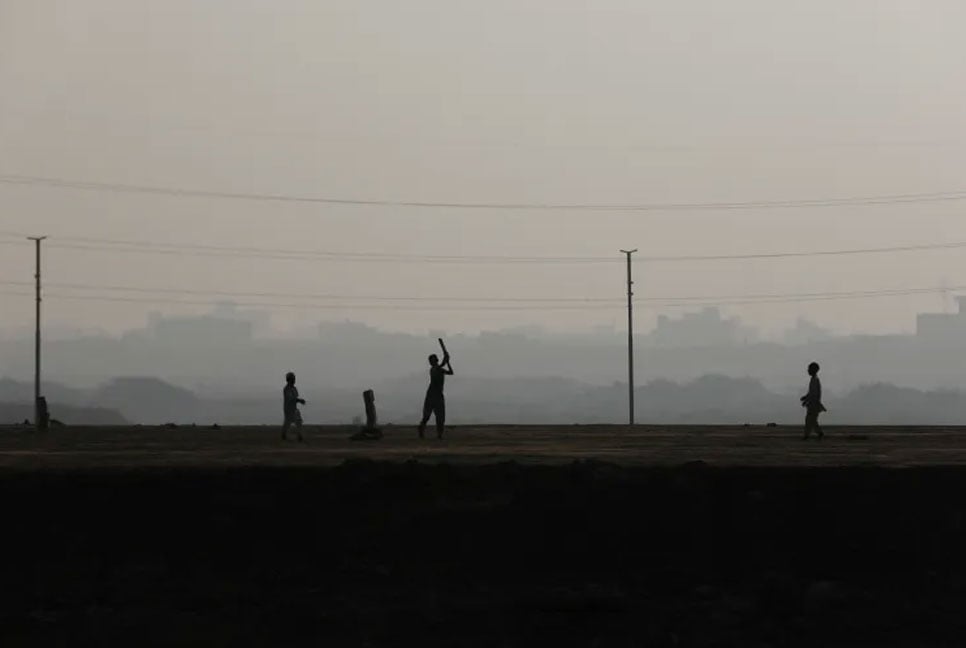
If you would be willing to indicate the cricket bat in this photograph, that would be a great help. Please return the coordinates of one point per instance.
(442, 345)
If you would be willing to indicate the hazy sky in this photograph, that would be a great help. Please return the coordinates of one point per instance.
(549, 101)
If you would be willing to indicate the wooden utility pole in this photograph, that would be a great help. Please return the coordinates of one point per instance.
(630, 336)
(37, 413)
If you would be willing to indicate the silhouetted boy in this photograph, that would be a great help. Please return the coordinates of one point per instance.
(435, 403)
(812, 402)
(290, 403)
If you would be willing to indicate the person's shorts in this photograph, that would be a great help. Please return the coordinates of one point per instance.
(293, 417)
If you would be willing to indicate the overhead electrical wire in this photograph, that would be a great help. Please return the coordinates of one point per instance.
(146, 247)
(316, 296)
(458, 303)
(885, 199)
(320, 306)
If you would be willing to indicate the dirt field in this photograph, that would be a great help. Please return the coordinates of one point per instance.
(645, 445)
(493, 537)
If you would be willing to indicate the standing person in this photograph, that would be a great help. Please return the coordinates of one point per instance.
(435, 403)
(812, 402)
(290, 404)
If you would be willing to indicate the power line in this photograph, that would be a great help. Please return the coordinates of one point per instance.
(147, 247)
(745, 298)
(150, 247)
(667, 299)
(815, 298)
(489, 307)
(330, 256)
(310, 306)
(317, 296)
(810, 253)
(886, 199)
(654, 302)
(769, 297)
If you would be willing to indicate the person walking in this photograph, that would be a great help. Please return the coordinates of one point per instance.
(290, 405)
(812, 402)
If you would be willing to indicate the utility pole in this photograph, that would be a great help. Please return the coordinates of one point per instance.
(630, 337)
(37, 240)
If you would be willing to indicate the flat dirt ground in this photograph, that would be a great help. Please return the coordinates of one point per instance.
(494, 536)
(327, 446)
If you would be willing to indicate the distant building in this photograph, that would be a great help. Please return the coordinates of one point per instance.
(347, 331)
(204, 329)
(943, 329)
(806, 332)
(704, 328)
(261, 320)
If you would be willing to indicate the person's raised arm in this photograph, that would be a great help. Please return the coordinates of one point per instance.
(447, 365)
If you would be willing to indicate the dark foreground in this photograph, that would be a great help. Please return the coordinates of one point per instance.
(429, 554)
